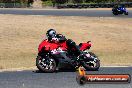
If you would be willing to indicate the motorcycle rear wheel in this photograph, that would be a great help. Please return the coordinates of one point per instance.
(115, 13)
(47, 65)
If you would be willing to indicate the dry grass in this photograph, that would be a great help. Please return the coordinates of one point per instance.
(20, 36)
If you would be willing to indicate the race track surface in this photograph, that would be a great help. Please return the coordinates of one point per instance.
(63, 79)
(84, 12)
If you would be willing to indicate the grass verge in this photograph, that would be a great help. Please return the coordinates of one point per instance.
(20, 35)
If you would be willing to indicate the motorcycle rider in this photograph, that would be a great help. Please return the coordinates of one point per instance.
(52, 36)
(115, 7)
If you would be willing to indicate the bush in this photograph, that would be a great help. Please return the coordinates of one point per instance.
(60, 1)
(47, 3)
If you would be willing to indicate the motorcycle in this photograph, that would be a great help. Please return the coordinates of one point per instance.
(120, 10)
(57, 55)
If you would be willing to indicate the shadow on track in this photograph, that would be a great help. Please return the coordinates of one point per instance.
(60, 70)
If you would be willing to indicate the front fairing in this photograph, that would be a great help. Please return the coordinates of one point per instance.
(48, 46)
(123, 9)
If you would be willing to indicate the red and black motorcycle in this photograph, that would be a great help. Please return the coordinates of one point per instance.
(52, 56)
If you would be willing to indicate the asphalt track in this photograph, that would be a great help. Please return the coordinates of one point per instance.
(56, 12)
(62, 79)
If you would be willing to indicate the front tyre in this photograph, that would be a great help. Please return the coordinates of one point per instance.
(47, 65)
(126, 13)
(93, 63)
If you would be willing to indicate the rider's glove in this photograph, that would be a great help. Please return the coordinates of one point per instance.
(55, 40)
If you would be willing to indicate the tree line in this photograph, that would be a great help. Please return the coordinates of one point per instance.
(86, 1)
(64, 1)
(26, 3)
(16, 1)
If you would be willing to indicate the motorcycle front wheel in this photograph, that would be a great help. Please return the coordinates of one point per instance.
(126, 13)
(47, 65)
(92, 64)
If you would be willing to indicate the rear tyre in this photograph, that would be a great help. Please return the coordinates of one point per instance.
(115, 13)
(47, 65)
(93, 63)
